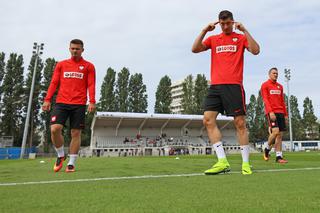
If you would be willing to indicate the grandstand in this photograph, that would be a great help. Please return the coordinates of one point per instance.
(140, 134)
(6, 141)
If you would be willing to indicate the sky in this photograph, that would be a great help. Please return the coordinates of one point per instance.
(154, 37)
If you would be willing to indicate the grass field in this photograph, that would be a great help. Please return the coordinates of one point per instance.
(291, 188)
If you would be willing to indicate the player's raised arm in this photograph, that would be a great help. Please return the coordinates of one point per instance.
(198, 45)
(253, 46)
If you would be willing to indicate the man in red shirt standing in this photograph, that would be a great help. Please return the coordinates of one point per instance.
(276, 112)
(226, 94)
(74, 77)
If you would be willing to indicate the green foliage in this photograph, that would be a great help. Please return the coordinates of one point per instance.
(137, 101)
(12, 94)
(187, 101)
(297, 124)
(49, 66)
(163, 96)
(122, 90)
(194, 94)
(200, 93)
(107, 98)
(257, 122)
(310, 120)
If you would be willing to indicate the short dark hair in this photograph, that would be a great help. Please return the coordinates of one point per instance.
(76, 41)
(273, 68)
(225, 14)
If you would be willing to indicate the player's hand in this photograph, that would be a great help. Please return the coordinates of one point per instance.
(239, 26)
(46, 106)
(272, 116)
(91, 108)
(211, 26)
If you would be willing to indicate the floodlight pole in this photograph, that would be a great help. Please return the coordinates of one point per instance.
(37, 52)
(287, 74)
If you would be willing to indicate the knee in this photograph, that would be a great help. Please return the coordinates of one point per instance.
(279, 136)
(209, 122)
(276, 132)
(56, 129)
(75, 133)
(240, 124)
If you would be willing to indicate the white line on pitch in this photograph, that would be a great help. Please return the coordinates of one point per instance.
(145, 177)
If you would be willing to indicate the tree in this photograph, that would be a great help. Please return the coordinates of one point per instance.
(49, 66)
(107, 99)
(309, 119)
(250, 118)
(13, 94)
(86, 132)
(200, 93)
(297, 125)
(137, 100)
(260, 121)
(187, 102)
(286, 134)
(163, 96)
(36, 104)
(122, 90)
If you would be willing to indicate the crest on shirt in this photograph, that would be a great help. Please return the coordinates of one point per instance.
(278, 87)
(234, 39)
(81, 67)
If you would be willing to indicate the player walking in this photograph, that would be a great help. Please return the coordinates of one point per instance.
(276, 113)
(74, 77)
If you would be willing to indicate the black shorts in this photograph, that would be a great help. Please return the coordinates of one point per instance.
(280, 122)
(228, 99)
(75, 113)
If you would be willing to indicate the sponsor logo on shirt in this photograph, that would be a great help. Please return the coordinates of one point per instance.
(78, 75)
(226, 48)
(275, 92)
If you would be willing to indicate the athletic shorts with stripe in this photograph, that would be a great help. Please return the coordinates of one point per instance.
(75, 113)
(280, 122)
(228, 99)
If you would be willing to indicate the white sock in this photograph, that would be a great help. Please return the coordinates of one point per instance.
(245, 150)
(279, 154)
(218, 147)
(60, 151)
(73, 158)
(267, 146)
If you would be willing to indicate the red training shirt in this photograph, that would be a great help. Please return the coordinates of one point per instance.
(74, 78)
(227, 57)
(273, 97)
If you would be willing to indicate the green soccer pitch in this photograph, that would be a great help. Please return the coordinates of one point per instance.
(161, 184)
